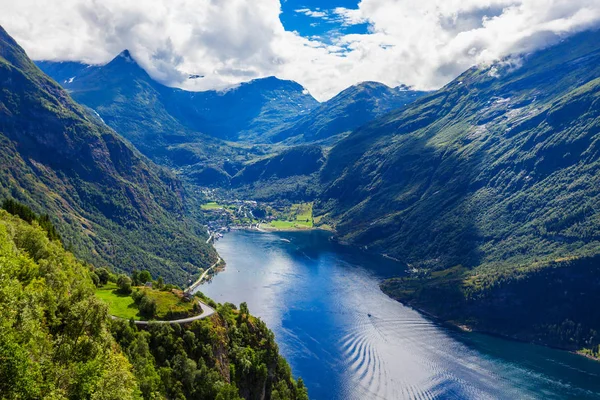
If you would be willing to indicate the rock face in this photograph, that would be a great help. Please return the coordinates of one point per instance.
(59, 158)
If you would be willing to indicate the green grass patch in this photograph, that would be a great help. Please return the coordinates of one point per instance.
(119, 305)
(282, 224)
(299, 217)
(303, 213)
(211, 206)
(169, 305)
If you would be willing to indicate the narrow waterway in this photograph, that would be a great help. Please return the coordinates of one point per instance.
(350, 341)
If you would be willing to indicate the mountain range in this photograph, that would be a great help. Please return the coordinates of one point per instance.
(347, 111)
(259, 111)
(181, 128)
(256, 106)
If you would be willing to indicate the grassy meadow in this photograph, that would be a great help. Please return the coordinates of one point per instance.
(122, 306)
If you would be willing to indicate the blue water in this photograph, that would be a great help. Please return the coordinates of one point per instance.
(317, 296)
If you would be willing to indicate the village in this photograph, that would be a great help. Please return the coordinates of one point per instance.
(222, 214)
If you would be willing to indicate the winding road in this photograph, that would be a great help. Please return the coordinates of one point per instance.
(207, 310)
(195, 285)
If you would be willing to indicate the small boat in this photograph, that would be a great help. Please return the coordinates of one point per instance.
(286, 240)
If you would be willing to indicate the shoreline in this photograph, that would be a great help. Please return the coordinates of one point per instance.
(264, 229)
(469, 329)
(198, 282)
(289, 229)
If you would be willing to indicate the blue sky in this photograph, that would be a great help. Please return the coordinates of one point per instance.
(306, 17)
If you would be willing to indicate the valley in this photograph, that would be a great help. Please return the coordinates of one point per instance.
(362, 229)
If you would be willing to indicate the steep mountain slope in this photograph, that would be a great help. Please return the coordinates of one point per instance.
(498, 172)
(125, 96)
(350, 109)
(103, 193)
(129, 101)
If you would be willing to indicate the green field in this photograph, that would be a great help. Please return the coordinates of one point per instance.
(282, 224)
(299, 217)
(119, 305)
(303, 213)
(123, 306)
(211, 206)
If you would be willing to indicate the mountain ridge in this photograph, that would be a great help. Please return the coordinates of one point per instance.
(351, 108)
(219, 113)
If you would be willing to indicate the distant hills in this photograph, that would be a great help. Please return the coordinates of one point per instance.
(482, 184)
(123, 94)
(264, 110)
(111, 205)
(347, 111)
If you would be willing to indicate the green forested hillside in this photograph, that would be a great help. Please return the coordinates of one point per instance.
(497, 172)
(291, 174)
(110, 204)
(229, 356)
(57, 340)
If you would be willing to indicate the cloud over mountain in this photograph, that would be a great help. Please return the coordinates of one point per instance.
(423, 43)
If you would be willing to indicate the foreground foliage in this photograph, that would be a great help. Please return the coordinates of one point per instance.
(57, 341)
(229, 356)
(54, 335)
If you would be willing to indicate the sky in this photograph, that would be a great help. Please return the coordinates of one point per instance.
(324, 45)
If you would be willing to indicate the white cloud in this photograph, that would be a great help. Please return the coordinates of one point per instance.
(423, 43)
(349, 17)
(313, 13)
